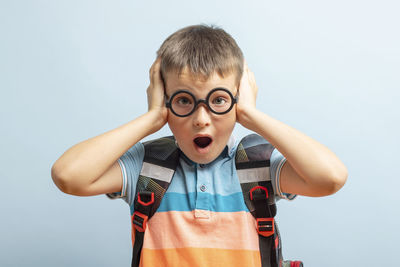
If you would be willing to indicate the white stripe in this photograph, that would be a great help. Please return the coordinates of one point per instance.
(254, 175)
(277, 177)
(157, 172)
(124, 178)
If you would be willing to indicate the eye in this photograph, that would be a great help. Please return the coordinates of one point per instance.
(183, 100)
(219, 100)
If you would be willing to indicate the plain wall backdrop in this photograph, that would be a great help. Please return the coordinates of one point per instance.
(71, 70)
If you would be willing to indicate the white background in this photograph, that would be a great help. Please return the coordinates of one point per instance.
(71, 70)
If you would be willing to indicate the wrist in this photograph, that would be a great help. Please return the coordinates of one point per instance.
(246, 117)
(156, 119)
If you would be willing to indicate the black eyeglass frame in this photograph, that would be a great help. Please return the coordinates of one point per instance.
(205, 101)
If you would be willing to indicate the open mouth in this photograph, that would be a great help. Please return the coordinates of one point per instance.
(202, 141)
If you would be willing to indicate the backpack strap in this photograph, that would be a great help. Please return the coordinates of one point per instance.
(252, 165)
(159, 164)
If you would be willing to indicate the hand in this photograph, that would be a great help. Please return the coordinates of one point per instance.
(247, 96)
(156, 94)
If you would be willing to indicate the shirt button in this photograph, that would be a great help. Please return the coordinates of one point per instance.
(203, 188)
(202, 165)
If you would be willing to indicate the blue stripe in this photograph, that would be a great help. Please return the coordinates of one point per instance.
(217, 203)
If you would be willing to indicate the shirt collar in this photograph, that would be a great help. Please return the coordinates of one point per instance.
(231, 146)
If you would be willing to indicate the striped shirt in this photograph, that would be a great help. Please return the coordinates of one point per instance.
(202, 219)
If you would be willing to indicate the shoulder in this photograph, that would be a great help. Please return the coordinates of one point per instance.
(136, 152)
(253, 145)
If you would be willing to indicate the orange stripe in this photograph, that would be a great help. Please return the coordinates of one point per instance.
(224, 230)
(194, 257)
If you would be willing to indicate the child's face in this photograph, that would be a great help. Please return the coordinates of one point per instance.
(203, 135)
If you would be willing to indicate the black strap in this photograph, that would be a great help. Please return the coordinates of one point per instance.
(260, 201)
(161, 152)
(255, 152)
(143, 205)
(267, 257)
(265, 222)
(137, 248)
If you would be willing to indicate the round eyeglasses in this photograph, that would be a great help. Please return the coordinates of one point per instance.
(219, 101)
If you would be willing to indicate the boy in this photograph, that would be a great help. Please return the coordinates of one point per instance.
(201, 86)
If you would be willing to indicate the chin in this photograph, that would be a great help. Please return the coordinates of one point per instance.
(205, 158)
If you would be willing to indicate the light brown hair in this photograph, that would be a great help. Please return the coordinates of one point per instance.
(203, 50)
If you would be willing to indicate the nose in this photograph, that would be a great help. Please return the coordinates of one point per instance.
(201, 117)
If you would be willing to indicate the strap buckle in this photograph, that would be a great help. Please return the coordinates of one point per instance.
(146, 195)
(139, 221)
(259, 194)
(265, 226)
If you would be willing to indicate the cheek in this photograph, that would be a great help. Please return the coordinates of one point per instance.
(172, 126)
(177, 126)
(225, 125)
(230, 119)
(172, 120)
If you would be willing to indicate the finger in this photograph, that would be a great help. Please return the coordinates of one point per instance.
(153, 67)
(151, 70)
(157, 62)
(156, 72)
(244, 76)
(245, 65)
(248, 69)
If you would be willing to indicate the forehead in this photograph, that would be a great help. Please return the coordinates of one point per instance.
(198, 85)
